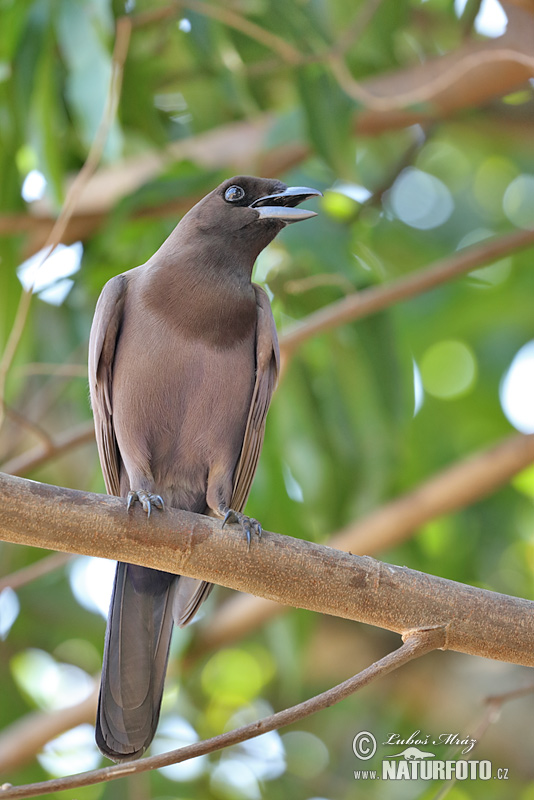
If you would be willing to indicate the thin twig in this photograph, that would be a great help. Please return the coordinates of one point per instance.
(292, 571)
(28, 425)
(34, 571)
(491, 715)
(415, 645)
(120, 52)
(41, 453)
(423, 94)
(355, 29)
(335, 279)
(54, 370)
(513, 694)
(231, 19)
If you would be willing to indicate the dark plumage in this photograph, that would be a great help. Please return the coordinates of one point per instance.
(183, 360)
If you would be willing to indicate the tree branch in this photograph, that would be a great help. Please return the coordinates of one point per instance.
(468, 77)
(228, 17)
(453, 488)
(20, 741)
(376, 298)
(34, 571)
(416, 644)
(284, 569)
(240, 146)
(41, 453)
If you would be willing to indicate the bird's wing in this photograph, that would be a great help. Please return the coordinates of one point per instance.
(102, 344)
(267, 369)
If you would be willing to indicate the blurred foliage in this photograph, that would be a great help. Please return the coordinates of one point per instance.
(342, 436)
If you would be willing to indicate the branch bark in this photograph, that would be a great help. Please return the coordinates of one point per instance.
(465, 482)
(287, 570)
(453, 488)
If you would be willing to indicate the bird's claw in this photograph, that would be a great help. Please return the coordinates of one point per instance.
(248, 524)
(147, 500)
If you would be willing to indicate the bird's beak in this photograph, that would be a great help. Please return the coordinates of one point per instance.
(282, 206)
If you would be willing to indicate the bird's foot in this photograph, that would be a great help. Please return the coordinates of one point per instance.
(147, 500)
(248, 524)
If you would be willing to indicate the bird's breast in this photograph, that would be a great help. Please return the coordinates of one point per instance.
(180, 402)
(218, 309)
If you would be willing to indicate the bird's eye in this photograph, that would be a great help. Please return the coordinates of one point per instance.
(233, 194)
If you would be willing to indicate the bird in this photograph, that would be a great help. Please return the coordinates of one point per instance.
(183, 361)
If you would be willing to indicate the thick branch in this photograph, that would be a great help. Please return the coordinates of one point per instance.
(416, 644)
(280, 568)
(453, 488)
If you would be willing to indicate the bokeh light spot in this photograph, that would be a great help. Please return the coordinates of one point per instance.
(491, 181)
(339, 206)
(420, 200)
(233, 676)
(517, 390)
(34, 186)
(491, 19)
(91, 581)
(233, 780)
(418, 391)
(9, 610)
(446, 162)
(306, 755)
(49, 683)
(73, 751)
(173, 732)
(518, 202)
(448, 369)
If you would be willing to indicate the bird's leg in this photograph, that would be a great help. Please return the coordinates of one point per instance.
(147, 500)
(248, 524)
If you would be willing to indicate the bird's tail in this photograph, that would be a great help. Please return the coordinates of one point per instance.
(136, 650)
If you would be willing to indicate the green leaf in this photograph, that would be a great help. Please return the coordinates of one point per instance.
(329, 115)
(82, 36)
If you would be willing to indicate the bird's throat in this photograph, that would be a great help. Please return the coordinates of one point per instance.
(214, 305)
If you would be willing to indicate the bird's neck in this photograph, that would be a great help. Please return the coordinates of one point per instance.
(207, 294)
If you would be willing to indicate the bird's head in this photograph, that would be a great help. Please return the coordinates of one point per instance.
(248, 212)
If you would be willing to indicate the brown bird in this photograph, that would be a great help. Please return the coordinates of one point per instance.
(183, 360)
